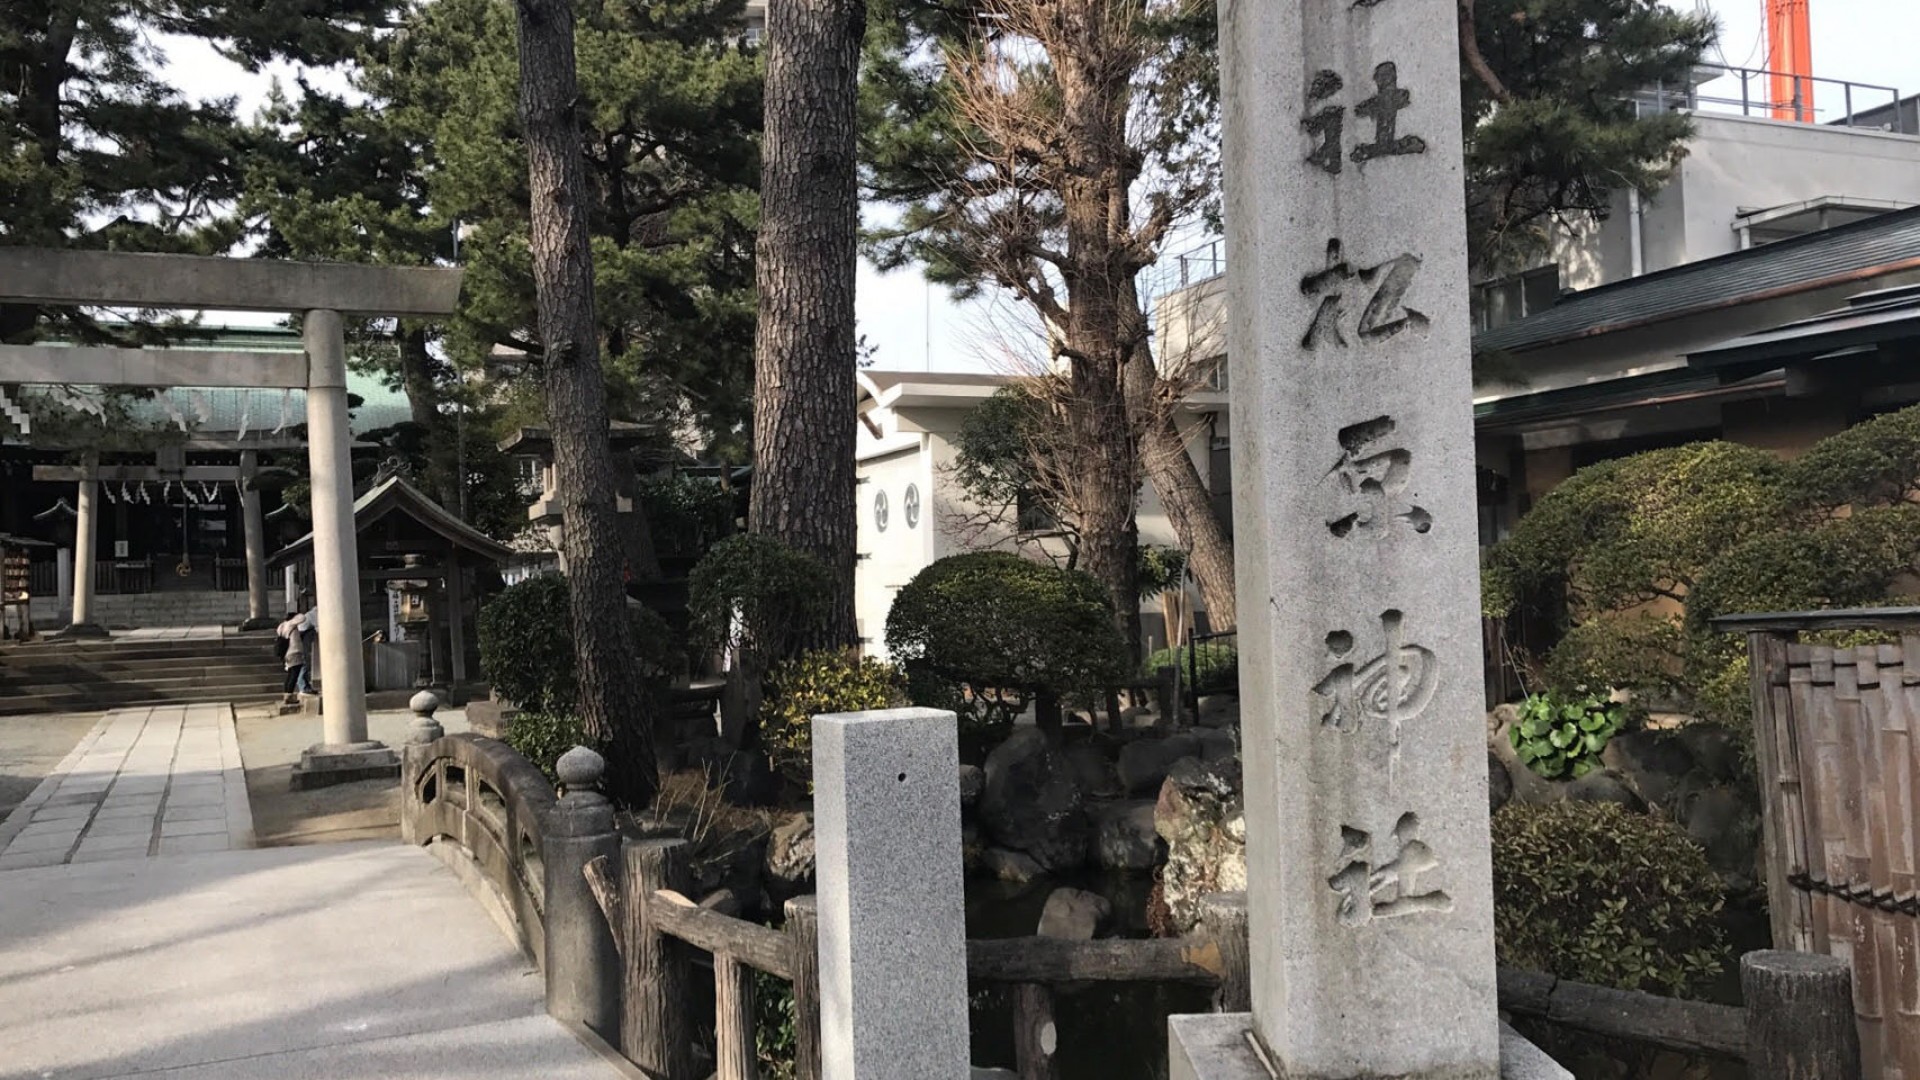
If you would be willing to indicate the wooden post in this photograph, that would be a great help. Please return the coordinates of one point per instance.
(656, 1029)
(1166, 697)
(1223, 918)
(1800, 1020)
(1035, 1036)
(734, 1057)
(803, 936)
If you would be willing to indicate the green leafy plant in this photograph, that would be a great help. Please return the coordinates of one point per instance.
(1561, 738)
(687, 514)
(986, 633)
(775, 1041)
(526, 645)
(541, 737)
(1216, 666)
(756, 594)
(822, 681)
(1596, 893)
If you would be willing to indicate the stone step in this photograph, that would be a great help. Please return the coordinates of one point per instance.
(84, 684)
(98, 702)
(116, 669)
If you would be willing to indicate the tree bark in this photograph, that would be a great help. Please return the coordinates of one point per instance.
(804, 363)
(1184, 496)
(613, 705)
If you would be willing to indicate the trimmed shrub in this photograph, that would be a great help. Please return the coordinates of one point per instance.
(987, 632)
(754, 593)
(1216, 666)
(542, 737)
(1561, 738)
(526, 645)
(823, 681)
(1595, 893)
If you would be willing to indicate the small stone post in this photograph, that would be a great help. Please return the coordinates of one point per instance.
(1800, 1017)
(893, 955)
(1369, 892)
(422, 733)
(254, 524)
(63, 577)
(85, 530)
(583, 967)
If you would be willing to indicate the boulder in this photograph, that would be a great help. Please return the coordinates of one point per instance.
(1499, 783)
(1073, 914)
(790, 854)
(1218, 744)
(1219, 711)
(972, 780)
(1715, 750)
(973, 849)
(1654, 763)
(1725, 822)
(1032, 802)
(1092, 769)
(1014, 867)
(1124, 836)
(1605, 785)
(1144, 763)
(1200, 816)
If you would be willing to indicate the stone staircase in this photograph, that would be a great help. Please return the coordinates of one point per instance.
(86, 676)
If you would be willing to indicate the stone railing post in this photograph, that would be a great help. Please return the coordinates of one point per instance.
(893, 938)
(422, 733)
(583, 967)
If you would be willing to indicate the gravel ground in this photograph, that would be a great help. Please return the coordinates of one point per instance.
(30, 746)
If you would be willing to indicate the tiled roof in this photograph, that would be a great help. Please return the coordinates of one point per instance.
(1850, 253)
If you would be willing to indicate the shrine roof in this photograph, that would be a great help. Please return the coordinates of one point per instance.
(395, 495)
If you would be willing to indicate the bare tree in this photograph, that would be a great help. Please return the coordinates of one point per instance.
(804, 389)
(612, 705)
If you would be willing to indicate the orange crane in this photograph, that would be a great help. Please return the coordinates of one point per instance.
(1790, 59)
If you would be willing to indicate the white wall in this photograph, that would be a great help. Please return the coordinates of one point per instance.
(889, 557)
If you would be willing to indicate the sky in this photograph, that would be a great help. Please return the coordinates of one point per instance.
(913, 326)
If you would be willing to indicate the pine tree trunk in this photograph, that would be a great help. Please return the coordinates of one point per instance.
(1184, 496)
(613, 705)
(804, 416)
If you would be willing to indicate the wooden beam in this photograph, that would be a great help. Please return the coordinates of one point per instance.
(47, 276)
(1887, 618)
(101, 365)
(1693, 1027)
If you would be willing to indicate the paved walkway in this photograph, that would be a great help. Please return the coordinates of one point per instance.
(161, 780)
(344, 961)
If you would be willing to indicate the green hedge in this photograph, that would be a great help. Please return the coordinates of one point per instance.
(1595, 893)
(1216, 666)
(814, 683)
(526, 645)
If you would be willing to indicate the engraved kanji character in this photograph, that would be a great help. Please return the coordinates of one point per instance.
(1327, 124)
(1384, 109)
(1371, 478)
(1329, 281)
(1389, 889)
(1386, 314)
(1395, 685)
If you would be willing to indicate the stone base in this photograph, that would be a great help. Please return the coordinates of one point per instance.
(264, 622)
(489, 717)
(1214, 1046)
(81, 630)
(324, 766)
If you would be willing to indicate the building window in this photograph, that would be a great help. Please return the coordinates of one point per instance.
(1509, 299)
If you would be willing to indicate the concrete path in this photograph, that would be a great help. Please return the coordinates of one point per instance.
(173, 633)
(161, 780)
(343, 961)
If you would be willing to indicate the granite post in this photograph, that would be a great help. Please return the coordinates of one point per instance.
(63, 577)
(893, 951)
(254, 524)
(85, 530)
(345, 753)
(1369, 895)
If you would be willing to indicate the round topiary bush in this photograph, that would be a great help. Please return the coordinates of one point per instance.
(542, 737)
(823, 681)
(1215, 670)
(987, 632)
(756, 594)
(1596, 893)
(526, 645)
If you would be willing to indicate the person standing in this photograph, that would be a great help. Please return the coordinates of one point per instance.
(310, 638)
(293, 653)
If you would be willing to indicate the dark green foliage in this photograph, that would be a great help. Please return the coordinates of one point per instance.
(754, 593)
(1629, 649)
(775, 1042)
(813, 683)
(541, 737)
(1569, 136)
(1161, 568)
(994, 461)
(1874, 463)
(1842, 562)
(1595, 893)
(1216, 666)
(526, 645)
(1561, 737)
(987, 632)
(687, 514)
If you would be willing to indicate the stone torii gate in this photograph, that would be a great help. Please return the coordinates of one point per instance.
(320, 293)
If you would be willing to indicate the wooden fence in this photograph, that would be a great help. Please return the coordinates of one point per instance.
(1837, 745)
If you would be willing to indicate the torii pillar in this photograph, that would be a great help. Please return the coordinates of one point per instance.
(255, 524)
(86, 494)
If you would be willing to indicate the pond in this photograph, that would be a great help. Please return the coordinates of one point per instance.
(1108, 1031)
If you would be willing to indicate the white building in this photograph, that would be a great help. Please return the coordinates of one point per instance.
(912, 513)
